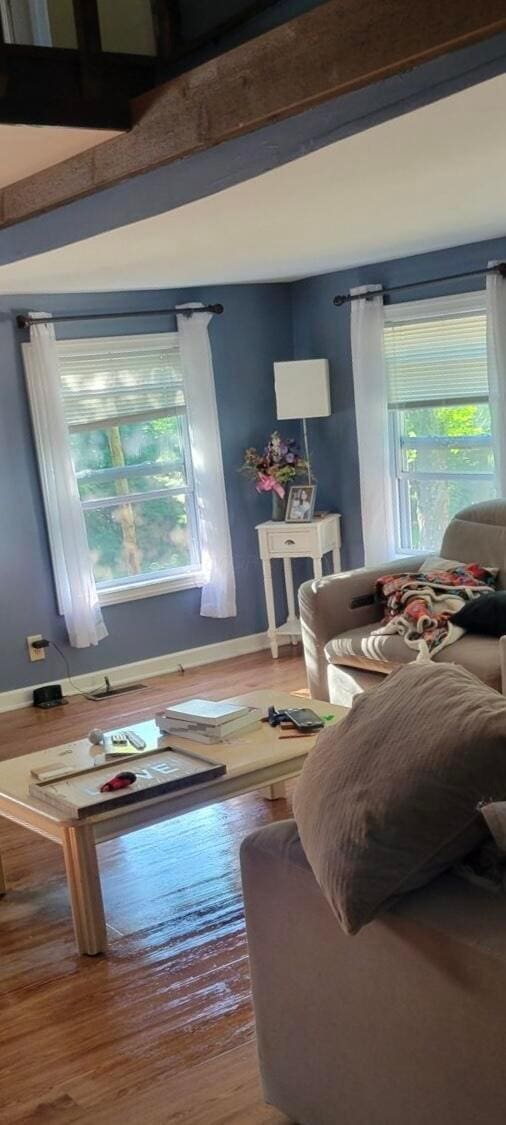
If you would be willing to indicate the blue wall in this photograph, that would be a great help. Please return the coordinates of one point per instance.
(321, 329)
(254, 331)
(261, 323)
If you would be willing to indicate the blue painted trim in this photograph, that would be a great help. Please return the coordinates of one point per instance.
(204, 173)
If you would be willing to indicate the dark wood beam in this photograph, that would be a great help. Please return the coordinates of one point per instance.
(254, 8)
(44, 86)
(167, 24)
(3, 75)
(89, 46)
(87, 27)
(336, 49)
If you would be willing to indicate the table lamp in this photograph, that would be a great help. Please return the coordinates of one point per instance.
(303, 391)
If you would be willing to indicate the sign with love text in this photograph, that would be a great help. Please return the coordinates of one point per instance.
(156, 774)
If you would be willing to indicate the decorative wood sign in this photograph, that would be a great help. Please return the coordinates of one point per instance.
(165, 771)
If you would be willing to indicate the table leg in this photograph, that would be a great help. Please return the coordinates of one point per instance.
(336, 560)
(275, 791)
(83, 881)
(317, 568)
(271, 611)
(290, 601)
(290, 596)
(3, 884)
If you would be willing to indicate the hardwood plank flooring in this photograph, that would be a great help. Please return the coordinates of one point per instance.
(162, 1030)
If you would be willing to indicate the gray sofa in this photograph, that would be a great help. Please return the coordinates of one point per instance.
(338, 616)
(401, 1025)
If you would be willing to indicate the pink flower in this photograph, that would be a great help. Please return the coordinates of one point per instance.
(269, 484)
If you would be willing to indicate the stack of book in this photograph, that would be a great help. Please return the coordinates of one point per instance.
(205, 721)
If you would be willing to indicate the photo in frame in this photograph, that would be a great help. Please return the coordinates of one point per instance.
(301, 502)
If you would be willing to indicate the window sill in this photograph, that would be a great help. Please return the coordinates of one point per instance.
(138, 590)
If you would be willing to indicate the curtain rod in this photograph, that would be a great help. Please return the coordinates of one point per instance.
(345, 298)
(24, 321)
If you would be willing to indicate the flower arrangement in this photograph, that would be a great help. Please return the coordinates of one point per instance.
(276, 467)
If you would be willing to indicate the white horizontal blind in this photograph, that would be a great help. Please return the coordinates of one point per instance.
(111, 380)
(436, 351)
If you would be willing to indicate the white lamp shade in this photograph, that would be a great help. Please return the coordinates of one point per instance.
(302, 388)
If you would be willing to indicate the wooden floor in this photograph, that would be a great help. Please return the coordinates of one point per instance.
(162, 1030)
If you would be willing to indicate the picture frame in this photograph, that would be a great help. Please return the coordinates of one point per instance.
(301, 503)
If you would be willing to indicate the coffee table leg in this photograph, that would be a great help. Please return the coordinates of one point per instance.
(85, 892)
(274, 792)
(3, 884)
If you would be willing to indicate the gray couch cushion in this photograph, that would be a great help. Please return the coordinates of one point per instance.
(359, 648)
(389, 798)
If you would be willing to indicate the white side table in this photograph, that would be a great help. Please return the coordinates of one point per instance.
(287, 541)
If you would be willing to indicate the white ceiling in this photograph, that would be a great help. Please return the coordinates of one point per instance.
(25, 149)
(430, 179)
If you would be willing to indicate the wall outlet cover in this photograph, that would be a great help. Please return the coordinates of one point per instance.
(35, 653)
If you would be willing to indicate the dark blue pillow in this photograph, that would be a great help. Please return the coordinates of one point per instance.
(485, 615)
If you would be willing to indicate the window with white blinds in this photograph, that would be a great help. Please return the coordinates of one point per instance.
(440, 433)
(120, 379)
(440, 360)
(125, 406)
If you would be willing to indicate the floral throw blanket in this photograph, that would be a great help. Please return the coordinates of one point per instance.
(419, 605)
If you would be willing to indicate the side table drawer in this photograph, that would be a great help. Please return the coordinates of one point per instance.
(288, 542)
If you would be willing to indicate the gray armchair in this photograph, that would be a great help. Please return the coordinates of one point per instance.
(338, 615)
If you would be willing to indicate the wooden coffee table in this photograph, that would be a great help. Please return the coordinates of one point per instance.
(256, 759)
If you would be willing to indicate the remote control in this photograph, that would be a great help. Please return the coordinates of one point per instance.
(135, 739)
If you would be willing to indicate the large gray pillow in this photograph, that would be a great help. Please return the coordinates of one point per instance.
(389, 797)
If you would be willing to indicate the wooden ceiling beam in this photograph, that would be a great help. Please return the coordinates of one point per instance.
(335, 49)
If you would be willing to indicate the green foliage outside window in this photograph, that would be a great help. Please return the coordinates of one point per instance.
(136, 536)
(443, 440)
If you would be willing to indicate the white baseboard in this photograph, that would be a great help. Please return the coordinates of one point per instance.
(142, 669)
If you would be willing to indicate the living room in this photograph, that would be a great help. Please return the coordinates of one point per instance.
(144, 568)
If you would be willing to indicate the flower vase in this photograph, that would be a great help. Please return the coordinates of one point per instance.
(278, 507)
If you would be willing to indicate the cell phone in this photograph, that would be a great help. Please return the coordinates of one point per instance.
(304, 719)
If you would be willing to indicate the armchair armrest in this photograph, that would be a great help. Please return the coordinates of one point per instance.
(333, 605)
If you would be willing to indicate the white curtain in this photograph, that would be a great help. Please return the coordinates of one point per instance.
(371, 411)
(218, 594)
(75, 584)
(496, 362)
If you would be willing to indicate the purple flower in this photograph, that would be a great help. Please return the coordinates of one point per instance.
(290, 458)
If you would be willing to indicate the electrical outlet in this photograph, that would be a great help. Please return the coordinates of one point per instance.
(35, 653)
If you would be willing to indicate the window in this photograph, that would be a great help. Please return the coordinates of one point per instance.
(26, 21)
(125, 405)
(440, 433)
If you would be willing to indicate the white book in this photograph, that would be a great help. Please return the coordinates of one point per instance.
(253, 715)
(200, 732)
(205, 711)
(194, 736)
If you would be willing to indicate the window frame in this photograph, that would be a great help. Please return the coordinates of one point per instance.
(436, 308)
(149, 585)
